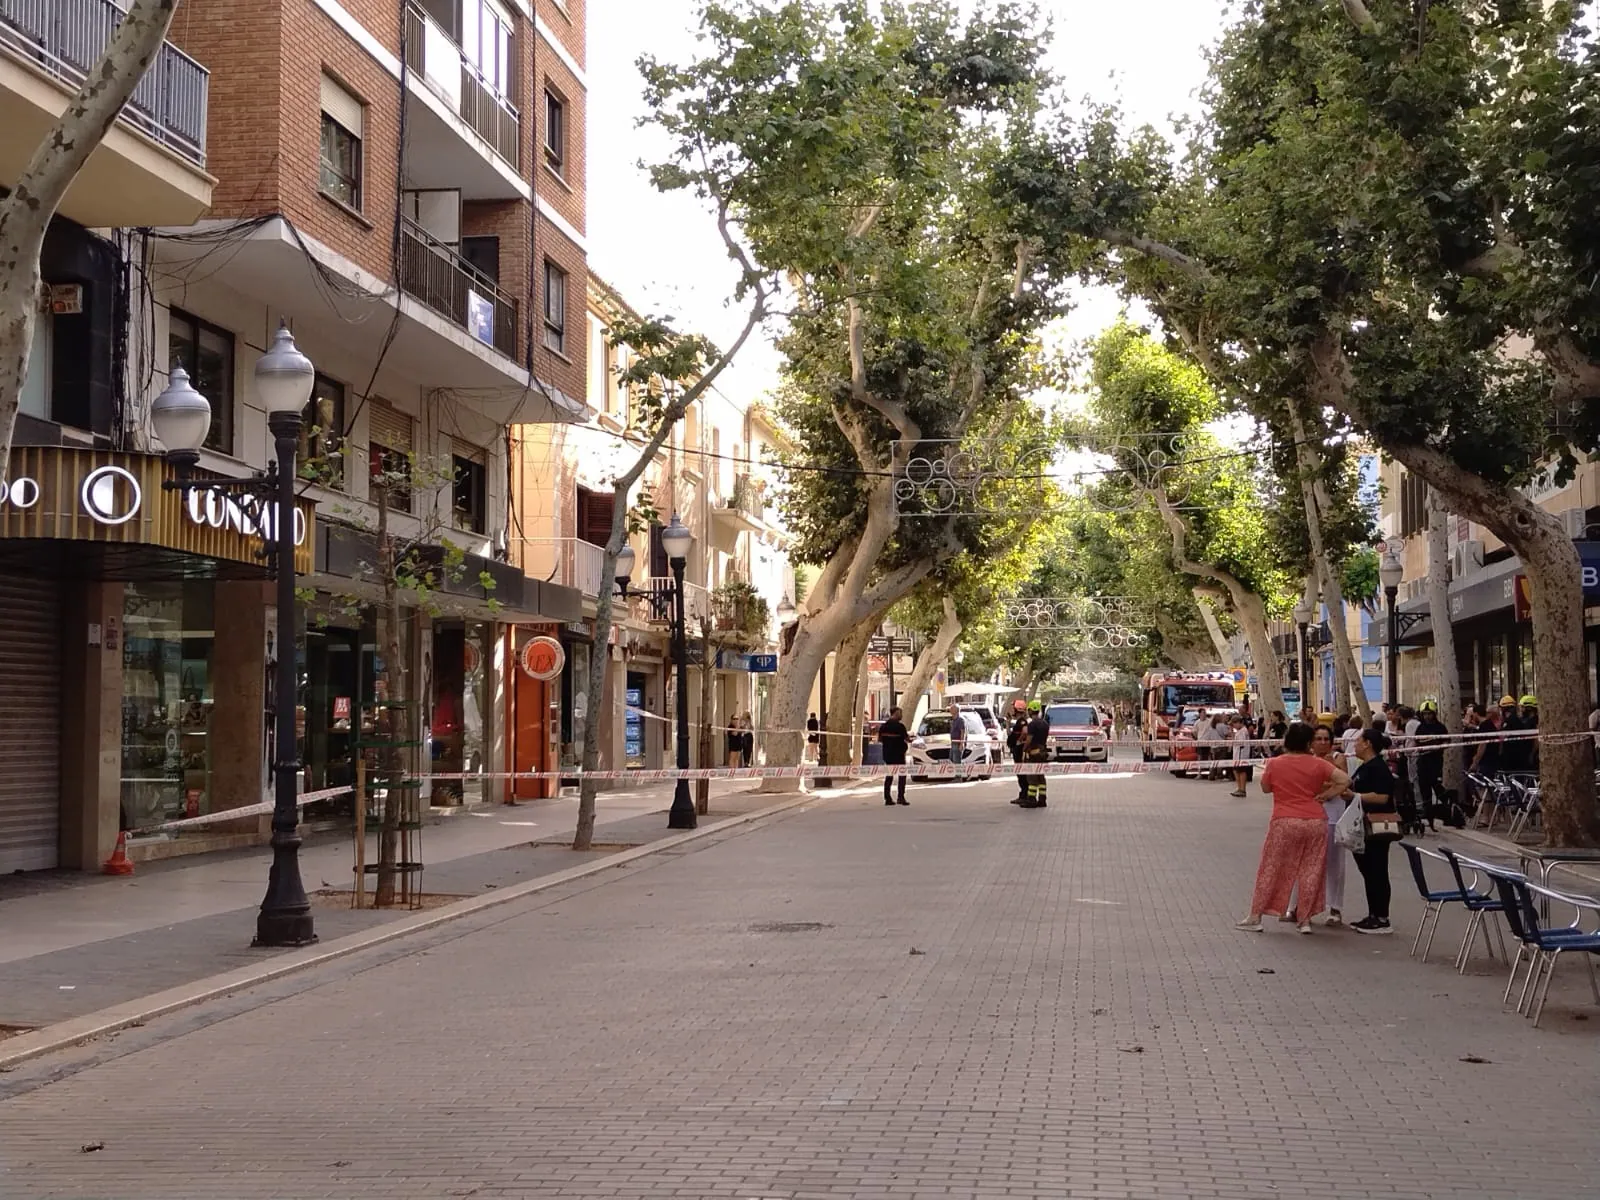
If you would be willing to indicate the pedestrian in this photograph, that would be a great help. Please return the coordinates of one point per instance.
(1373, 785)
(1324, 746)
(1296, 847)
(1017, 743)
(1431, 796)
(1206, 737)
(1277, 730)
(1347, 738)
(1530, 720)
(1037, 750)
(1486, 759)
(812, 737)
(893, 737)
(1240, 737)
(747, 740)
(958, 734)
(1512, 750)
(733, 742)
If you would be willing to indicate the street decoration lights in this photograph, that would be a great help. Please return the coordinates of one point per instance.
(180, 417)
(677, 541)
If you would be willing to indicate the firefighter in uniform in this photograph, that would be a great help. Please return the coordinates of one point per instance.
(1017, 743)
(1037, 751)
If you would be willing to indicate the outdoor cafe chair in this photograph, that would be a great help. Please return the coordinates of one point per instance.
(1433, 900)
(1544, 944)
(1480, 904)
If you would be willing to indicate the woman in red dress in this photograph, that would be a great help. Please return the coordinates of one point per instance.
(1295, 851)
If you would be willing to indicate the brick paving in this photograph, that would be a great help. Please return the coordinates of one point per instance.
(958, 999)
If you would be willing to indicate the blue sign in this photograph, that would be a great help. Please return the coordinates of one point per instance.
(1589, 556)
(763, 664)
(760, 664)
(633, 728)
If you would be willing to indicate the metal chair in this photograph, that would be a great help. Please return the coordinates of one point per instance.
(1479, 904)
(1433, 900)
(1525, 805)
(1544, 944)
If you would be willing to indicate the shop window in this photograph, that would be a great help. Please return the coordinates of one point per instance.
(594, 511)
(459, 709)
(167, 701)
(322, 433)
(470, 494)
(1498, 682)
(555, 132)
(205, 351)
(389, 457)
(555, 308)
(343, 124)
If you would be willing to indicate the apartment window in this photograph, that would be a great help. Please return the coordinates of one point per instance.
(343, 122)
(389, 445)
(322, 433)
(555, 132)
(555, 308)
(486, 39)
(206, 353)
(1413, 505)
(470, 494)
(594, 511)
(484, 255)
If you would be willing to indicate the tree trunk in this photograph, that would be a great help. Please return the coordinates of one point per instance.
(1209, 616)
(1566, 768)
(927, 662)
(26, 211)
(1024, 680)
(1346, 670)
(844, 747)
(1444, 634)
(392, 717)
(702, 787)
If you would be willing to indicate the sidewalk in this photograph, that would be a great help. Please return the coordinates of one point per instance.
(72, 943)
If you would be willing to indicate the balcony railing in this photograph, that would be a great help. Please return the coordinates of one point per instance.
(652, 602)
(455, 289)
(64, 39)
(570, 561)
(435, 55)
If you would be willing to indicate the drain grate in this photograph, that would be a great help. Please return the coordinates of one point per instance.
(789, 926)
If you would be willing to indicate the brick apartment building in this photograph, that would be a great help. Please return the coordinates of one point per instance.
(404, 185)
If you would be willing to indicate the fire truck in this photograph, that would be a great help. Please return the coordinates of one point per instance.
(1163, 697)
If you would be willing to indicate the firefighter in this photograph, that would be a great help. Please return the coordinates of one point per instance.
(1017, 743)
(1037, 751)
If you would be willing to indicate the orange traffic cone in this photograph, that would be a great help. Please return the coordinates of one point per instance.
(119, 863)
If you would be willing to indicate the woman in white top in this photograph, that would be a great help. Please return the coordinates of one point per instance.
(1323, 746)
(1241, 755)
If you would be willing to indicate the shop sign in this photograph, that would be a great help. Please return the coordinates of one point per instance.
(1522, 599)
(542, 658)
(65, 493)
(763, 664)
(341, 708)
(471, 658)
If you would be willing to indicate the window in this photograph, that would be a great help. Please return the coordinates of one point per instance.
(470, 495)
(343, 120)
(322, 433)
(389, 454)
(206, 353)
(486, 40)
(594, 510)
(1413, 505)
(484, 255)
(555, 132)
(555, 308)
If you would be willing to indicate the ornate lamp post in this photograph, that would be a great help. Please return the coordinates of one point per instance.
(1302, 618)
(180, 417)
(1390, 573)
(677, 541)
(623, 571)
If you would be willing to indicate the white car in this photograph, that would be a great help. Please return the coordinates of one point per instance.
(932, 741)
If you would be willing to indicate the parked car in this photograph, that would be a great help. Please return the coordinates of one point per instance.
(1076, 732)
(991, 723)
(932, 741)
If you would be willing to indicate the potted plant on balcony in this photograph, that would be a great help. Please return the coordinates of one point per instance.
(742, 616)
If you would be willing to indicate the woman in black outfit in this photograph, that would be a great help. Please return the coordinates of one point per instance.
(1373, 785)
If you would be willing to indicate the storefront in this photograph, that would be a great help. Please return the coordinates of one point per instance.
(134, 659)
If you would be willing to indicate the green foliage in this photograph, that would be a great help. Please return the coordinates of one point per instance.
(1360, 577)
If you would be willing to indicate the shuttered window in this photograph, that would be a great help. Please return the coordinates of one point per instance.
(594, 516)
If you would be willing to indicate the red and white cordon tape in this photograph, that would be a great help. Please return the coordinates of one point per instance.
(931, 770)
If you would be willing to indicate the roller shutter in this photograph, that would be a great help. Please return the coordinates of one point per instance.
(30, 724)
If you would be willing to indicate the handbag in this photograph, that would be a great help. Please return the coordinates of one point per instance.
(1385, 827)
(1349, 830)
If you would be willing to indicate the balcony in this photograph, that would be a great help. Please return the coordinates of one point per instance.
(569, 561)
(447, 283)
(651, 602)
(150, 169)
(464, 133)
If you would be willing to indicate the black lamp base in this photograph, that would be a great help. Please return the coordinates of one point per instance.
(285, 916)
(682, 815)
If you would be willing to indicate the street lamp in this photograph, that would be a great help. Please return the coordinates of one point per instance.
(1302, 618)
(623, 570)
(786, 611)
(1390, 573)
(180, 417)
(677, 542)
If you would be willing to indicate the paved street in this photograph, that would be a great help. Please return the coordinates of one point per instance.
(953, 999)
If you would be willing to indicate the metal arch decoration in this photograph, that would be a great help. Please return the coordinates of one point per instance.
(953, 477)
(1104, 622)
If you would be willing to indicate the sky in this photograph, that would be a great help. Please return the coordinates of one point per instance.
(662, 252)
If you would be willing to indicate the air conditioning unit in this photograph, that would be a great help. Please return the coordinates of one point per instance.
(1575, 521)
(1466, 558)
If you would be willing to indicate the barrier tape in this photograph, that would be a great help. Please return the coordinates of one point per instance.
(930, 770)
